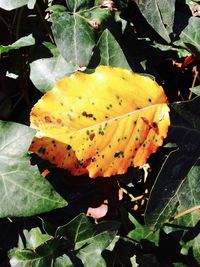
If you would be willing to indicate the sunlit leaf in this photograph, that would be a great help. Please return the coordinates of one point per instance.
(75, 32)
(190, 36)
(108, 52)
(100, 123)
(22, 42)
(46, 72)
(24, 258)
(160, 15)
(196, 90)
(63, 261)
(12, 4)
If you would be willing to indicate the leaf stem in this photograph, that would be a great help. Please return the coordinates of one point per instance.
(196, 74)
(179, 215)
(131, 196)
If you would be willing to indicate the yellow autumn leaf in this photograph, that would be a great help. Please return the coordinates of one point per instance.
(100, 123)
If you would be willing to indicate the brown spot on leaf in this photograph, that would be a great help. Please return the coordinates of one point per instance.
(87, 115)
(47, 119)
(91, 136)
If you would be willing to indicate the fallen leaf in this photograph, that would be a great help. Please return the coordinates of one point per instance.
(100, 123)
(98, 212)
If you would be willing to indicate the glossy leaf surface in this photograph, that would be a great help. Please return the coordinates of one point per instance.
(12, 4)
(22, 42)
(89, 124)
(24, 192)
(159, 14)
(46, 72)
(175, 189)
(190, 36)
(110, 51)
(89, 240)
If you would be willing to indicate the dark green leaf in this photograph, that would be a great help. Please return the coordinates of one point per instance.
(22, 42)
(90, 254)
(24, 192)
(26, 258)
(160, 15)
(187, 213)
(74, 37)
(177, 175)
(140, 232)
(110, 51)
(89, 239)
(63, 261)
(38, 249)
(76, 5)
(190, 36)
(81, 231)
(101, 16)
(46, 72)
(35, 238)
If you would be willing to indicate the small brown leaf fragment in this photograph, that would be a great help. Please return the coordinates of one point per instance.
(99, 212)
(94, 24)
(196, 10)
(45, 173)
(109, 4)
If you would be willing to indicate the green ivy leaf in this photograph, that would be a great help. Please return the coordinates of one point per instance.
(160, 15)
(196, 90)
(63, 261)
(187, 214)
(141, 232)
(190, 36)
(189, 236)
(74, 37)
(22, 42)
(76, 5)
(80, 231)
(89, 239)
(12, 4)
(39, 249)
(94, 249)
(110, 52)
(25, 258)
(35, 238)
(24, 192)
(180, 172)
(46, 72)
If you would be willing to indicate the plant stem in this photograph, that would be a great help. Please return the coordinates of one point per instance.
(184, 213)
(131, 196)
(196, 74)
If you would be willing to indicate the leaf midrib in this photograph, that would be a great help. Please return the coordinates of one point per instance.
(43, 133)
(4, 177)
(175, 193)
